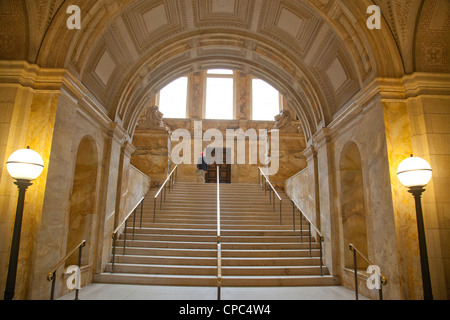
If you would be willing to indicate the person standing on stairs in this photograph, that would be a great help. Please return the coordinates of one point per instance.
(202, 167)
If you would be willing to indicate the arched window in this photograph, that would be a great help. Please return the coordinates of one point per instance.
(173, 99)
(266, 101)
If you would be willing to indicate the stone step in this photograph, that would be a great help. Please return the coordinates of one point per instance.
(239, 223)
(211, 281)
(170, 252)
(212, 253)
(213, 245)
(156, 280)
(212, 238)
(212, 261)
(213, 232)
(212, 270)
(228, 226)
(279, 281)
(163, 269)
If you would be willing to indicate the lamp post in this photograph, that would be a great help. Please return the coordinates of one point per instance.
(415, 173)
(24, 166)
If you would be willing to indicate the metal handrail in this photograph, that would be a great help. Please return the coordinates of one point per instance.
(270, 184)
(127, 217)
(218, 204)
(162, 191)
(383, 279)
(306, 217)
(51, 276)
(119, 227)
(310, 224)
(271, 189)
(219, 246)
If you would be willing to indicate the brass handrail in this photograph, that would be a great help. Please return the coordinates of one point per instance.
(274, 192)
(165, 182)
(353, 248)
(51, 276)
(383, 279)
(162, 191)
(306, 217)
(219, 246)
(270, 184)
(119, 227)
(310, 224)
(127, 217)
(218, 204)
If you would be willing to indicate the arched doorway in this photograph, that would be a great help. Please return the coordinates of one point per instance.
(353, 213)
(83, 199)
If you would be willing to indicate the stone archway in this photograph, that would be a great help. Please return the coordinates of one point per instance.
(83, 199)
(353, 213)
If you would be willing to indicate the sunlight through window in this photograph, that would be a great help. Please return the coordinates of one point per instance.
(172, 99)
(266, 101)
(219, 94)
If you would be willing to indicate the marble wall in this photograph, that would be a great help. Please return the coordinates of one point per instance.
(27, 119)
(429, 118)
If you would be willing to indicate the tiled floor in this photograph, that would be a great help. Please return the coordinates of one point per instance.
(130, 292)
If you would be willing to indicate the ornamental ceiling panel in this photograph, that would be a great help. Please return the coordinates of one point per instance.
(231, 13)
(149, 22)
(432, 43)
(108, 63)
(335, 74)
(290, 23)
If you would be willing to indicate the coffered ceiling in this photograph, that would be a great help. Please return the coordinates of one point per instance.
(287, 43)
(318, 53)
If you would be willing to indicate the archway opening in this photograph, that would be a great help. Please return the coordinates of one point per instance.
(353, 213)
(83, 199)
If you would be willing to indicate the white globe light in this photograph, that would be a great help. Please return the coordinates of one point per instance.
(25, 164)
(414, 172)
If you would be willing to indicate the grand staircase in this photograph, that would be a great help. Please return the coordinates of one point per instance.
(180, 247)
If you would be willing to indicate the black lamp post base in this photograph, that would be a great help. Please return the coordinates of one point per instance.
(426, 280)
(14, 256)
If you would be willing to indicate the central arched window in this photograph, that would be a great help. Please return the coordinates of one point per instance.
(219, 100)
(219, 94)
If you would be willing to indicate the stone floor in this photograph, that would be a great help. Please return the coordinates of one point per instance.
(132, 292)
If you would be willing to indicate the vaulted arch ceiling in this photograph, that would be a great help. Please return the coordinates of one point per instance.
(318, 53)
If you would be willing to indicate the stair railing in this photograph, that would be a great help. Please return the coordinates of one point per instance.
(219, 245)
(117, 231)
(320, 237)
(272, 192)
(170, 181)
(382, 279)
(52, 274)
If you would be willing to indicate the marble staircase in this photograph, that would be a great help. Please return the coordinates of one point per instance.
(180, 247)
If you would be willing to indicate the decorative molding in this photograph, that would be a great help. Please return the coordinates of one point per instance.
(235, 13)
(145, 35)
(58, 80)
(433, 47)
(422, 83)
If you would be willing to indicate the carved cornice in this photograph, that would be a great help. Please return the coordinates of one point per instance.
(421, 83)
(388, 90)
(60, 81)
